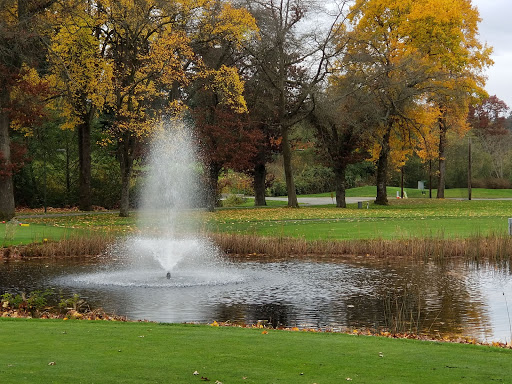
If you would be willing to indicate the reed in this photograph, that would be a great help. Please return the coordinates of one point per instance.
(493, 247)
(76, 245)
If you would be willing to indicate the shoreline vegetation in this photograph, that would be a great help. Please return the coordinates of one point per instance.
(490, 248)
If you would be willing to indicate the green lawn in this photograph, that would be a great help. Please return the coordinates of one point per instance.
(369, 228)
(477, 193)
(57, 351)
(401, 219)
(11, 234)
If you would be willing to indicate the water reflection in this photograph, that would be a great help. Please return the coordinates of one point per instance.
(436, 299)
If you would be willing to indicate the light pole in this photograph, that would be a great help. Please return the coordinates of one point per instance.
(469, 168)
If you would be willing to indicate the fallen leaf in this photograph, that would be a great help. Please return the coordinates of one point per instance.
(205, 378)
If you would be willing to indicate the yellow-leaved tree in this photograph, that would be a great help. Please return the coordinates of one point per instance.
(157, 48)
(23, 27)
(81, 75)
(412, 54)
(448, 32)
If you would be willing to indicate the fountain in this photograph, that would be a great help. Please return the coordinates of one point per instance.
(168, 250)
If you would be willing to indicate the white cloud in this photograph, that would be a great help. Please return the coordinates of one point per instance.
(496, 30)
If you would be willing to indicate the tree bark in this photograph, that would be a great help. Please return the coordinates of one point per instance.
(126, 163)
(84, 161)
(212, 197)
(340, 186)
(382, 170)
(442, 158)
(6, 184)
(288, 173)
(260, 173)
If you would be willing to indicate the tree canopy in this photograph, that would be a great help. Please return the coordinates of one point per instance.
(379, 80)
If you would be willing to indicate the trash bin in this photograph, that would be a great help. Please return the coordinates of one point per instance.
(360, 205)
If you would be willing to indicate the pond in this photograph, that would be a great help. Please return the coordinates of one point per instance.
(455, 299)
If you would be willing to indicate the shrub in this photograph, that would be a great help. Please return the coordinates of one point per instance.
(235, 182)
(233, 200)
(315, 179)
(492, 183)
(278, 188)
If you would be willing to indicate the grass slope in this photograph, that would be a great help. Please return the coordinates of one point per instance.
(101, 352)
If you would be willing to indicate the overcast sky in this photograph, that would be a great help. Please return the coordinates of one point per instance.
(496, 30)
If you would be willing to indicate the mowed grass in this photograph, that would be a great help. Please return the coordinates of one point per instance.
(454, 193)
(11, 234)
(401, 219)
(408, 218)
(49, 351)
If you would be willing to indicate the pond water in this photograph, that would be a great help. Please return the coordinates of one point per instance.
(463, 299)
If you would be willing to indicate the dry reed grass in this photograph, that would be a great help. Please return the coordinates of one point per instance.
(491, 248)
(92, 244)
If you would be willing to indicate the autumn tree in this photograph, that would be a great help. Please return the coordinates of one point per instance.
(261, 119)
(488, 121)
(81, 75)
(21, 28)
(216, 100)
(341, 124)
(377, 58)
(291, 59)
(151, 48)
(446, 32)
(412, 54)
(226, 141)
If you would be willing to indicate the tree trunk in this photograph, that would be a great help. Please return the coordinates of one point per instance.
(84, 162)
(212, 197)
(382, 170)
(260, 173)
(340, 186)
(126, 163)
(6, 184)
(288, 173)
(442, 158)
